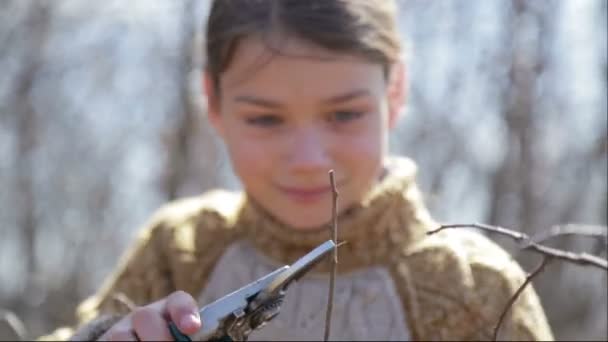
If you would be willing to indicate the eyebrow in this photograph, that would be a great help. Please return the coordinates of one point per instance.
(347, 96)
(268, 103)
(258, 101)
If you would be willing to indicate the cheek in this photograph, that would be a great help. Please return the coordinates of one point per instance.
(251, 159)
(364, 156)
(367, 145)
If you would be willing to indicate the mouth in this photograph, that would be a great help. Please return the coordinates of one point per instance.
(306, 194)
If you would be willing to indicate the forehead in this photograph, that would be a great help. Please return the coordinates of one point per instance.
(297, 68)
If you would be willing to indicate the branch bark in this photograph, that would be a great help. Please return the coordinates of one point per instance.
(529, 277)
(528, 244)
(598, 232)
(334, 264)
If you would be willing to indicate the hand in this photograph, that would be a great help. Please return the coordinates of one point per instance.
(151, 322)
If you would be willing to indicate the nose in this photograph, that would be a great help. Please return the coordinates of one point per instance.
(309, 151)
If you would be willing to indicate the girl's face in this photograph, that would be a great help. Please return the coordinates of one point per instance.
(289, 121)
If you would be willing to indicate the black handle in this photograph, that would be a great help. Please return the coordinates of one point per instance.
(178, 335)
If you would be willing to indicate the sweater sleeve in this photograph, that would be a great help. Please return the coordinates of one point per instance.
(461, 282)
(496, 278)
(175, 250)
(525, 320)
(142, 276)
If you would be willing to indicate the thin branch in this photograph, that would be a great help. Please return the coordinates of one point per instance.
(599, 232)
(504, 231)
(529, 277)
(334, 264)
(529, 244)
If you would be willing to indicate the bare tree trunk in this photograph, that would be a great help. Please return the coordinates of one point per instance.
(603, 144)
(37, 23)
(515, 176)
(192, 164)
(178, 139)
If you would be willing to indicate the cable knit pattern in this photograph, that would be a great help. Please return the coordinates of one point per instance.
(449, 286)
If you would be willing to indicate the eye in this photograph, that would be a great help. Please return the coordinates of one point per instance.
(345, 116)
(264, 120)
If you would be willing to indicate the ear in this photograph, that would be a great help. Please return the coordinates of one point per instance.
(396, 93)
(213, 104)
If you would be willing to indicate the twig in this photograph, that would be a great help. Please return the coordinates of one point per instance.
(537, 270)
(598, 232)
(334, 264)
(511, 233)
(527, 243)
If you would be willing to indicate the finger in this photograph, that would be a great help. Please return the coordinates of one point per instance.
(149, 324)
(183, 310)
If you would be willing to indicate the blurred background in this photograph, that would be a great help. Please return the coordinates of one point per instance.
(102, 121)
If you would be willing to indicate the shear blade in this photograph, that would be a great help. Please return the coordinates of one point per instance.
(299, 268)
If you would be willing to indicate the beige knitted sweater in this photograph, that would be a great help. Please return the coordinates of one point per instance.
(394, 281)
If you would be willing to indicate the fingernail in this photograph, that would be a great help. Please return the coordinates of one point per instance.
(191, 321)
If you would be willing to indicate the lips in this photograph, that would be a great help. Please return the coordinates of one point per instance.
(306, 194)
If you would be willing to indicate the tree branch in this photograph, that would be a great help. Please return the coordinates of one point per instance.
(598, 232)
(527, 243)
(334, 264)
(529, 277)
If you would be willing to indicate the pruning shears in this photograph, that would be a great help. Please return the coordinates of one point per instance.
(234, 316)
